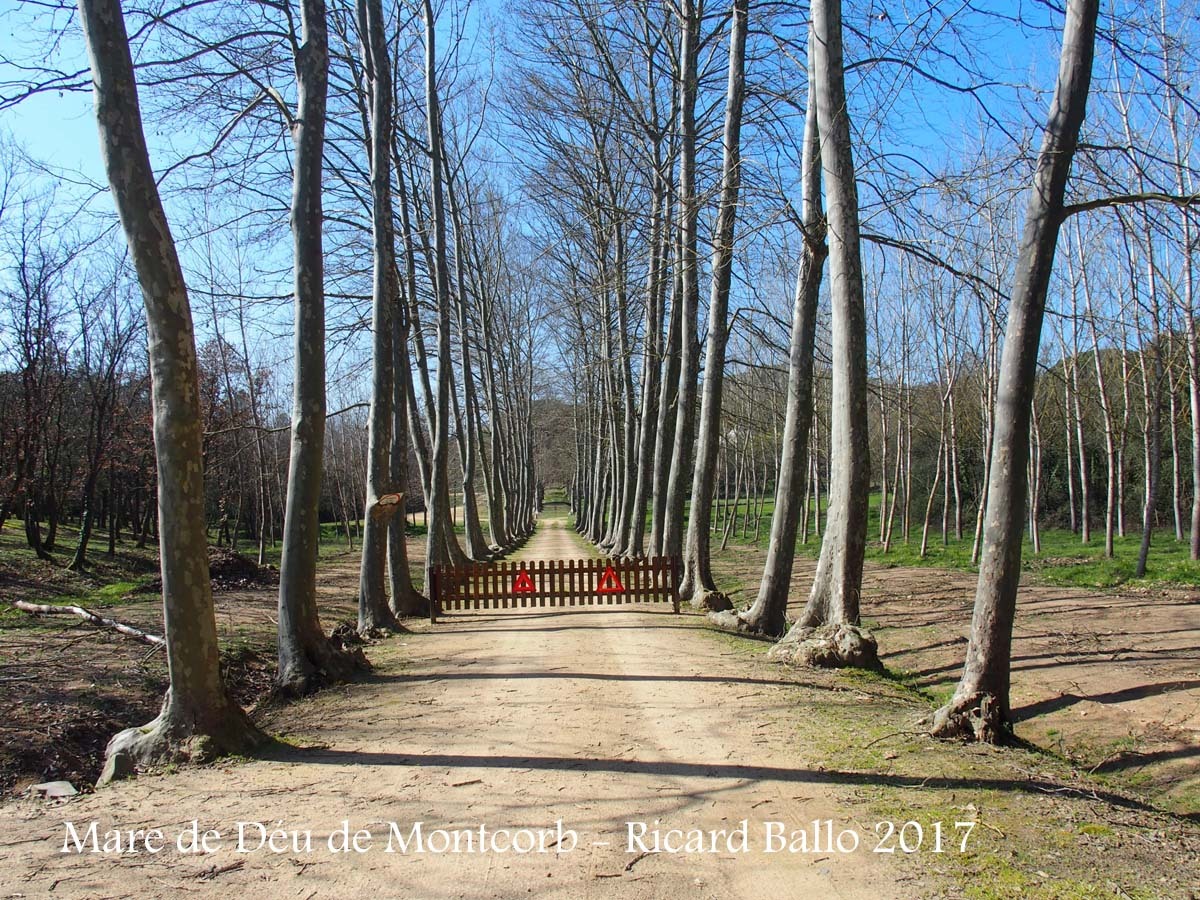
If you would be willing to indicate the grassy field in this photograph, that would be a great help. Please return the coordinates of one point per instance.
(1063, 560)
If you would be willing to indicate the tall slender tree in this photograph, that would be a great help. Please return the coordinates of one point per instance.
(699, 587)
(688, 295)
(980, 705)
(199, 720)
(439, 523)
(382, 500)
(768, 614)
(307, 657)
(827, 632)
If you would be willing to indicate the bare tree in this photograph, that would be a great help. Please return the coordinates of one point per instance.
(439, 475)
(980, 706)
(688, 294)
(198, 720)
(767, 615)
(307, 658)
(382, 501)
(827, 632)
(698, 585)
(108, 331)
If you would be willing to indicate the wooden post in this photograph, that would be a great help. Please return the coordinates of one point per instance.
(675, 583)
(433, 595)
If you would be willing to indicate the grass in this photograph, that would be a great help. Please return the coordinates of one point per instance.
(1064, 560)
(106, 582)
(332, 541)
(1044, 827)
(110, 581)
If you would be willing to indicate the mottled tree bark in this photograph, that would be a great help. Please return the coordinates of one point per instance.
(689, 297)
(405, 599)
(699, 587)
(382, 501)
(768, 614)
(477, 545)
(307, 658)
(667, 402)
(439, 475)
(980, 706)
(827, 632)
(651, 365)
(198, 720)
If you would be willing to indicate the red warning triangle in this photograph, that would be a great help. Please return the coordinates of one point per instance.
(610, 583)
(523, 584)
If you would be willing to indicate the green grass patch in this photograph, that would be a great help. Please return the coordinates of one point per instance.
(1063, 560)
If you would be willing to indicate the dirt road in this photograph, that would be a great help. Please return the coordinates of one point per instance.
(510, 720)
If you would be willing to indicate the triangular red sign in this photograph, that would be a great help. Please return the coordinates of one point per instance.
(523, 584)
(610, 583)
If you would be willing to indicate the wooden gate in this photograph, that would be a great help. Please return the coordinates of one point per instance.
(555, 583)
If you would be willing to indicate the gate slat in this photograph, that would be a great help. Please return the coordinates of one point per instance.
(556, 583)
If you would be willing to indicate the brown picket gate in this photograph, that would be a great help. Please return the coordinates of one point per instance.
(555, 583)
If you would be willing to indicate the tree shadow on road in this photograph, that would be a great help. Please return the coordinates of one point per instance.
(669, 768)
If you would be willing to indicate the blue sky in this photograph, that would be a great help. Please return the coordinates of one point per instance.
(58, 128)
(54, 127)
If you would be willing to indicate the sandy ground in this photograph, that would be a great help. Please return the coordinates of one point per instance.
(509, 720)
(1103, 667)
(1110, 678)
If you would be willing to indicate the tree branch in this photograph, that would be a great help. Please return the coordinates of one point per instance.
(1129, 199)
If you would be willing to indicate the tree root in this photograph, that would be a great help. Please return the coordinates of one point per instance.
(713, 601)
(729, 620)
(414, 605)
(974, 717)
(42, 609)
(332, 660)
(385, 630)
(380, 623)
(835, 646)
(174, 738)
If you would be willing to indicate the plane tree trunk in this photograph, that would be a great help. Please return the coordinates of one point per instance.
(382, 501)
(699, 587)
(440, 532)
(768, 614)
(980, 708)
(651, 367)
(405, 599)
(198, 720)
(828, 632)
(688, 296)
(307, 658)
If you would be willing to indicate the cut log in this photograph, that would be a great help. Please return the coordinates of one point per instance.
(43, 609)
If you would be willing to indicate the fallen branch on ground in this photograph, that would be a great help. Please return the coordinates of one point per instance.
(43, 609)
